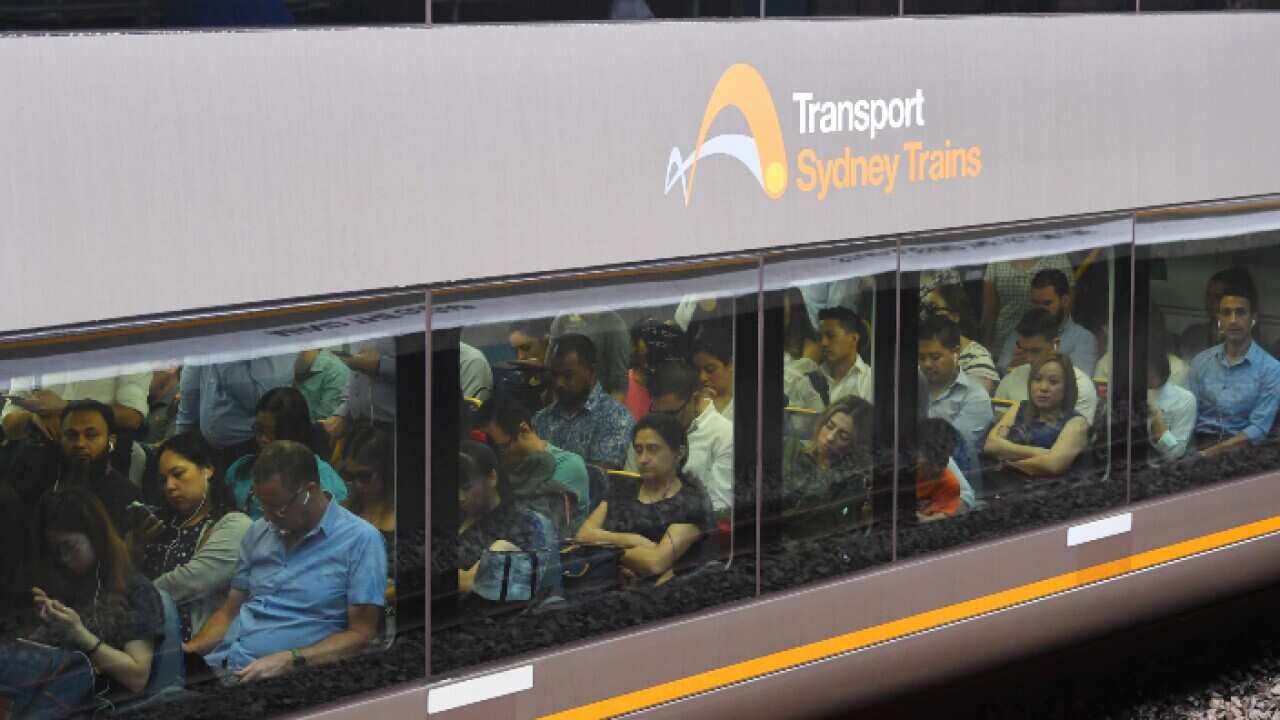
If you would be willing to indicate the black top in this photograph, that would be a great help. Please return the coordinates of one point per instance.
(689, 505)
(116, 492)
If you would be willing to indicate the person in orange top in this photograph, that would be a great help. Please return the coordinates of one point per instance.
(937, 487)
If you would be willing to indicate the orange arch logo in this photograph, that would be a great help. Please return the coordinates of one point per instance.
(762, 151)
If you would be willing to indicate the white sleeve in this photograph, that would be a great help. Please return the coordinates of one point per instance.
(132, 390)
(1087, 402)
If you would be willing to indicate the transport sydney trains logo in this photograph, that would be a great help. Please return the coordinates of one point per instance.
(883, 152)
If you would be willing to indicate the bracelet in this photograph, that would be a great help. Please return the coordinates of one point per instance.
(94, 649)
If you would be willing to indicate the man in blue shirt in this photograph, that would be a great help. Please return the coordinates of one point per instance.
(1236, 383)
(221, 401)
(584, 419)
(953, 395)
(309, 586)
(1051, 290)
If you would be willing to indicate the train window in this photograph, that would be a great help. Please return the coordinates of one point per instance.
(827, 413)
(829, 8)
(1201, 5)
(1208, 360)
(200, 512)
(593, 455)
(55, 15)
(481, 11)
(1005, 407)
(974, 7)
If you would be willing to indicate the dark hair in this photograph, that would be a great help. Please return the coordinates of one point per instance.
(15, 553)
(672, 433)
(294, 462)
(373, 446)
(801, 327)
(714, 339)
(674, 377)
(1070, 391)
(1054, 278)
(506, 411)
(1237, 281)
(1038, 322)
(193, 447)
(936, 441)
(293, 418)
(957, 301)
(108, 415)
(77, 510)
(663, 340)
(940, 328)
(577, 344)
(860, 412)
(475, 461)
(536, 328)
(847, 318)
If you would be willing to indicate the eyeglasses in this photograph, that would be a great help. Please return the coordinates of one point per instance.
(282, 510)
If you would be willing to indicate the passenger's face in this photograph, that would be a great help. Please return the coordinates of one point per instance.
(73, 550)
(838, 344)
(363, 481)
(573, 379)
(473, 498)
(528, 349)
(1048, 387)
(1034, 347)
(186, 484)
(1050, 300)
(505, 442)
(654, 458)
(835, 437)
(282, 505)
(683, 408)
(714, 374)
(265, 429)
(84, 437)
(1235, 317)
(937, 362)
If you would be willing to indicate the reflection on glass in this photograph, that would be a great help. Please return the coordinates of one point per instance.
(597, 485)
(827, 8)
(477, 11)
(1212, 380)
(142, 14)
(974, 7)
(199, 525)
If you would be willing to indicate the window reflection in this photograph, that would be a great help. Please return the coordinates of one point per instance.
(141, 14)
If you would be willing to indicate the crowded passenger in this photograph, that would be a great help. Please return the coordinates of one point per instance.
(803, 383)
(310, 583)
(826, 480)
(1156, 335)
(1236, 382)
(538, 472)
(1171, 409)
(662, 519)
(474, 373)
(162, 404)
(938, 493)
(220, 401)
(713, 357)
(611, 339)
(1004, 294)
(90, 598)
(1044, 435)
(36, 408)
(1037, 333)
(190, 546)
(652, 343)
(954, 396)
(368, 468)
(583, 419)
(678, 391)
(841, 334)
(281, 414)
(492, 523)
(530, 340)
(371, 389)
(322, 379)
(1051, 291)
(951, 301)
(1197, 337)
(844, 292)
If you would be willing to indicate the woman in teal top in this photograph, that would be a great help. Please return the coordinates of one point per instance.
(281, 414)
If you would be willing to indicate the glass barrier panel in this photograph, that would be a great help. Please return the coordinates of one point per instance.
(827, 417)
(1007, 408)
(215, 513)
(1207, 363)
(593, 455)
(56, 15)
(829, 8)
(481, 11)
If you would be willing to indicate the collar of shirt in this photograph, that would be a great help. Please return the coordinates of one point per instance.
(1251, 355)
(327, 521)
(594, 398)
(960, 380)
(858, 366)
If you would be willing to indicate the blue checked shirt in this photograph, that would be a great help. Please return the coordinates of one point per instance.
(1239, 398)
(600, 432)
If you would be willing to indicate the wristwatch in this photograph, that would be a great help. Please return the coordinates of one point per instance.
(298, 659)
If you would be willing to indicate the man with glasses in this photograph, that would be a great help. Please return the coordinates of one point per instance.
(309, 586)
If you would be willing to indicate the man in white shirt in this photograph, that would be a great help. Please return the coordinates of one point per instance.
(1037, 337)
(840, 333)
(677, 390)
(1171, 410)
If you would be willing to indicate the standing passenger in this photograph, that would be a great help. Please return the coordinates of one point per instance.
(322, 379)
(1004, 294)
(220, 401)
(1050, 290)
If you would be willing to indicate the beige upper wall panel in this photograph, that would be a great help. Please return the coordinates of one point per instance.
(171, 172)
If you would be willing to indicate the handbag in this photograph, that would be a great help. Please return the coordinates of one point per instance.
(41, 682)
(588, 569)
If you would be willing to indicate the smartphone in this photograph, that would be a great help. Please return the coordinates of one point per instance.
(139, 512)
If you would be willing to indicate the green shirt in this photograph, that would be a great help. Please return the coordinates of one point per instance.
(325, 385)
(571, 474)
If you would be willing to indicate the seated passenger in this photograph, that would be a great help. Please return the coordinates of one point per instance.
(937, 487)
(1051, 290)
(1201, 336)
(368, 468)
(1236, 383)
(281, 414)
(827, 480)
(652, 343)
(190, 546)
(677, 392)
(322, 379)
(1045, 435)
(1171, 409)
(1004, 294)
(309, 587)
(1037, 331)
(841, 332)
(584, 419)
(491, 522)
(713, 358)
(538, 472)
(953, 395)
(802, 380)
(610, 337)
(663, 519)
(91, 599)
(950, 300)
